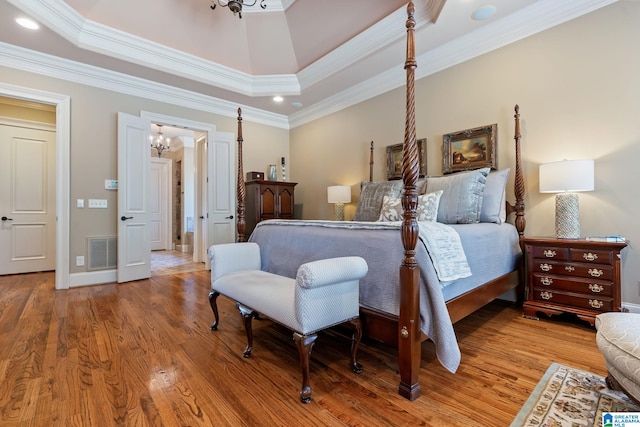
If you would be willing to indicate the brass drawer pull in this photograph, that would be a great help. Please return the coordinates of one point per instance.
(546, 267)
(595, 288)
(595, 303)
(590, 256)
(569, 268)
(549, 253)
(546, 295)
(547, 281)
(595, 272)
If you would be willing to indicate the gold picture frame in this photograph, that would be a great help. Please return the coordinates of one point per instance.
(470, 149)
(394, 159)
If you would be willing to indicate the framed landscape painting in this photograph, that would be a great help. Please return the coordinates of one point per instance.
(470, 149)
(394, 159)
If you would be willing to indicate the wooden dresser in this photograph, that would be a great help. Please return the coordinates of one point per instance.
(268, 200)
(572, 276)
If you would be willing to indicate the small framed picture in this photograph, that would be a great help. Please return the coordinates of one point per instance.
(470, 149)
(394, 159)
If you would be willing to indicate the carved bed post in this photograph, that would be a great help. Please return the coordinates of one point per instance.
(371, 163)
(409, 336)
(520, 222)
(519, 181)
(242, 190)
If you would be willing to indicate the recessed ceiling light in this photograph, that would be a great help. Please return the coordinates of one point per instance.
(27, 23)
(278, 99)
(296, 104)
(483, 12)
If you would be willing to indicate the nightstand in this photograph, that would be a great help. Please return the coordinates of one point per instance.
(572, 276)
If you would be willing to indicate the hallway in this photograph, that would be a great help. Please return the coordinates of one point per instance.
(173, 262)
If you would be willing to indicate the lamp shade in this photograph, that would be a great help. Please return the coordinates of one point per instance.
(339, 194)
(566, 176)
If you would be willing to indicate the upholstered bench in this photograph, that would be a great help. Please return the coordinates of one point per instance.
(324, 293)
(618, 339)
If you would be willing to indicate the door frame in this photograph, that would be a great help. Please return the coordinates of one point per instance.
(210, 131)
(63, 167)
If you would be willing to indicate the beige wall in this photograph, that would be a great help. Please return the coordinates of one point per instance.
(94, 154)
(577, 86)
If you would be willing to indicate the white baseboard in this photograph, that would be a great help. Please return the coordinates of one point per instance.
(92, 278)
(631, 308)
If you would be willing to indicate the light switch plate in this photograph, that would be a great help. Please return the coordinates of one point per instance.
(97, 203)
(80, 203)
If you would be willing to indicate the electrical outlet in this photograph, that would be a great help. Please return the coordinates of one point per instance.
(79, 261)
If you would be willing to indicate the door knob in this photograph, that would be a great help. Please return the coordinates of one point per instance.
(124, 218)
(4, 218)
(201, 216)
(229, 217)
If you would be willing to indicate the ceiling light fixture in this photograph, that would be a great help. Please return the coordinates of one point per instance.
(278, 99)
(235, 6)
(160, 142)
(27, 23)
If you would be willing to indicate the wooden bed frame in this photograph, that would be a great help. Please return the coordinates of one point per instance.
(404, 331)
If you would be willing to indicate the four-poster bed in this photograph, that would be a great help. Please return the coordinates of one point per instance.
(422, 308)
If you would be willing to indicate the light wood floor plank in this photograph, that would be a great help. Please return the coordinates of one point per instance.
(143, 354)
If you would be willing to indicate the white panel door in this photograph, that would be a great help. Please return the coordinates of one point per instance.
(160, 204)
(134, 159)
(27, 198)
(222, 189)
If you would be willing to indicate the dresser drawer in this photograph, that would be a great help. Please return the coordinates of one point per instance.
(574, 300)
(596, 257)
(595, 271)
(560, 254)
(572, 284)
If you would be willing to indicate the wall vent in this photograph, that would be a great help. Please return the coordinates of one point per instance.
(103, 253)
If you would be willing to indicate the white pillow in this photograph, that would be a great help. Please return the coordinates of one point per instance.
(461, 201)
(427, 207)
(493, 203)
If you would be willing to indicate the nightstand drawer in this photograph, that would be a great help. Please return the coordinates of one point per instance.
(596, 271)
(561, 254)
(574, 300)
(578, 285)
(596, 257)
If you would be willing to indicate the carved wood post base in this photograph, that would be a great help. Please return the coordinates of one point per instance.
(305, 345)
(213, 295)
(247, 316)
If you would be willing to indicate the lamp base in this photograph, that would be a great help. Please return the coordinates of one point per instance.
(339, 211)
(567, 216)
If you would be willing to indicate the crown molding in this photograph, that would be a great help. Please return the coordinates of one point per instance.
(533, 19)
(64, 69)
(90, 35)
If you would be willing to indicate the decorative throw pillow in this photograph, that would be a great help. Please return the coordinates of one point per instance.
(461, 200)
(493, 203)
(427, 209)
(371, 195)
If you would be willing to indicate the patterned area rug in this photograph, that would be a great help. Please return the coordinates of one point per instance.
(570, 397)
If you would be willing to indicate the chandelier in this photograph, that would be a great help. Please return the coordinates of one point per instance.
(236, 5)
(159, 141)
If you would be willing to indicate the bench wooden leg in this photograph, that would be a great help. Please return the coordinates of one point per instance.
(305, 345)
(247, 316)
(355, 342)
(213, 296)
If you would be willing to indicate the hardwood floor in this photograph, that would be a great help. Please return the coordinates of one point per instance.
(142, 354)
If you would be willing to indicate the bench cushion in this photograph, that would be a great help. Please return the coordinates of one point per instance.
(618, 339)
(304, 310)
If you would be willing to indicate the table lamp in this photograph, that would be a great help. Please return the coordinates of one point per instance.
(566, 178)
(339, 194)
